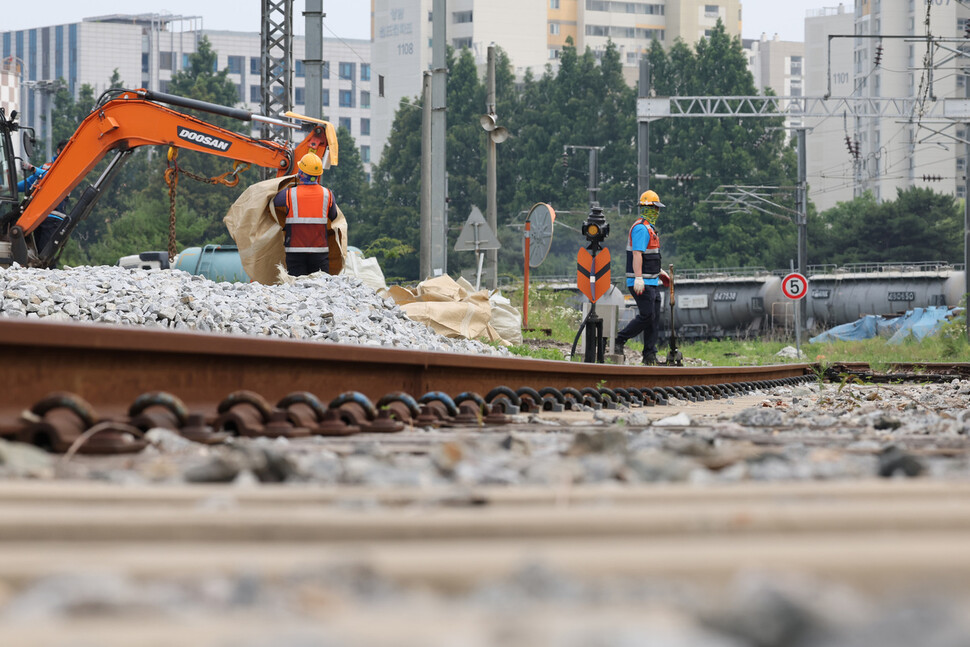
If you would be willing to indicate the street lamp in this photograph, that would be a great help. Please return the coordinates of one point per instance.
(496, 135)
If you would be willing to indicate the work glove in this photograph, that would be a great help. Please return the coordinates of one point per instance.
(665, 279)
(638, 285)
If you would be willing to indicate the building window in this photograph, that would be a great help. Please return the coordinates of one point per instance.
(163, 86)
(365, 99)
(241, 92)
(300, 69)
(344, 122)
(460, 17)
(346, 99)
(144, 62)
(554, 28)
(711, 11)
(325, 97)
(254, 65)
(165, 60)
(365, 154)
(462, 43)
(236, 64)
(553, 54)
(325, 70)
(254, 94)
(347, 70)
(365, 126)
(185, 61)
(553, 4)
(365, 71)
(299, 97)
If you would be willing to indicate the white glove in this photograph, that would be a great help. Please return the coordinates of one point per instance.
(638, 285)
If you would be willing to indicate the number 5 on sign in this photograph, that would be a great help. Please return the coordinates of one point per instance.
(795, 286)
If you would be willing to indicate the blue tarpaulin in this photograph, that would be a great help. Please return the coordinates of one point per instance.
(918, 322)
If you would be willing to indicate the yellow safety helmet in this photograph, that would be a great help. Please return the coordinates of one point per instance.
(650, 198)
(311, 164)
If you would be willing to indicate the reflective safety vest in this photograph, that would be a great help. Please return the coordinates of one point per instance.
(650, 266)
(307, 206)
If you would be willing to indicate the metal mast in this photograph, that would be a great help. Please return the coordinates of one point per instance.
(276, 57)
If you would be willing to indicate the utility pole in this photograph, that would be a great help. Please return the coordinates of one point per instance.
(593, 169)
(439, 96)
(491, 175)
(801, 198)
(313, 58)
(496, 135)
(966, 228)
(643, 134)
(425, 253)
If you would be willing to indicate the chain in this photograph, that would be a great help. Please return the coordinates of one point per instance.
(229, 178)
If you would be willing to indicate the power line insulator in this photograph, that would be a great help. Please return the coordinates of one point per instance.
(932, 178)
(878, 54)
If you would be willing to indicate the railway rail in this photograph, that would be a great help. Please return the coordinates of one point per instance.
(77, 379)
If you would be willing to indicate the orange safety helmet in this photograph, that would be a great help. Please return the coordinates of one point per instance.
(650, 198)
(311, 164)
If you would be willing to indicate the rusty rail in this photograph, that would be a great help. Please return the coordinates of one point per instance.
(111, 367)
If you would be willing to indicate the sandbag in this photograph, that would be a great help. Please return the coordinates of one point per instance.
(368, 270)
(258, 231)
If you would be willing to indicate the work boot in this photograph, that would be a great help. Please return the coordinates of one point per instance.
(650, 359)
(619, 346)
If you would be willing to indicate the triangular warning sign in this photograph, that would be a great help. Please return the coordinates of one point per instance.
(476, 230)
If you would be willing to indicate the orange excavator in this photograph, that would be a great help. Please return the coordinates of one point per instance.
(122, 121)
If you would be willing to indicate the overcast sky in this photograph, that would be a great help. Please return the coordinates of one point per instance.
(346, 18)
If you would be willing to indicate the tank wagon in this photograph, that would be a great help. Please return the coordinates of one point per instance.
(746, 302)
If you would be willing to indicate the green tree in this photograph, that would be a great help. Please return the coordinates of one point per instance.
(347, 179)
(920, 225)
(391, 213)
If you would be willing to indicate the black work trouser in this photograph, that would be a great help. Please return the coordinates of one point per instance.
(303, 263)
(646, 321)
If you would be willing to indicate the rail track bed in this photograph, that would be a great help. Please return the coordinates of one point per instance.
(211, 491)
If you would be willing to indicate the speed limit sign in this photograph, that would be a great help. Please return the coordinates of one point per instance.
(794, 286)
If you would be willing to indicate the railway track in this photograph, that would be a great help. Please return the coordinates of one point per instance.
(298, 563)
(74, 377)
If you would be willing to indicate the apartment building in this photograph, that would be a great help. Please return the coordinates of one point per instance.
(147, 49)
(849, 155)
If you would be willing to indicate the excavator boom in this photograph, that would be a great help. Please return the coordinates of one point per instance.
(131, 119)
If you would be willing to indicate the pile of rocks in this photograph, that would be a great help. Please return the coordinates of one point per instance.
(320, 307)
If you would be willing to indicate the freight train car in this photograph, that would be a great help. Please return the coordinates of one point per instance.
(747, 302)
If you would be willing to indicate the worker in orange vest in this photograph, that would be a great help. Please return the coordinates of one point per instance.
(310, 208)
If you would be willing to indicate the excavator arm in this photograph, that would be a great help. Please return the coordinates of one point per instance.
(133, 119)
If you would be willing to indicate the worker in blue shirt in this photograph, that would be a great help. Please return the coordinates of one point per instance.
(45, 230)
(643, 276)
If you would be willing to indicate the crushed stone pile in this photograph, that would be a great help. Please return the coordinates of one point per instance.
(319, 307)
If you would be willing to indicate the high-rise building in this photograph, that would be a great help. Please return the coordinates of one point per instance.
(148, 49)
(848, 155)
